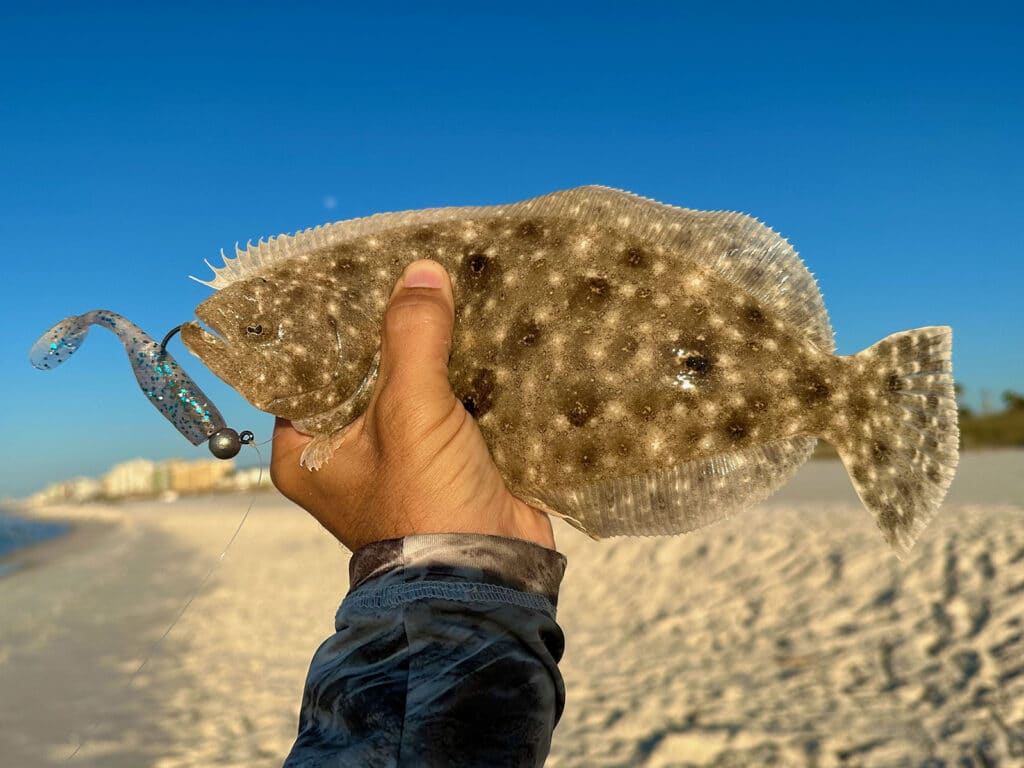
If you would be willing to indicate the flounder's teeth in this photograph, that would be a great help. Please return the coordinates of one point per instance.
(208, 337)
(208, 334)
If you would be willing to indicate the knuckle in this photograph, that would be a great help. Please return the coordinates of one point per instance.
(411, 313)
(391, 401)
(407, 424)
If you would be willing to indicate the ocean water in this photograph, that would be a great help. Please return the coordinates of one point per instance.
(17, 532)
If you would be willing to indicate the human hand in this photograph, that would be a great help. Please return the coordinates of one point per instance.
(415, 461)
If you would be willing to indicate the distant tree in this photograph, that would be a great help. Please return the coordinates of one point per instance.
(958, 391)
(1013, 401)
(986, 402)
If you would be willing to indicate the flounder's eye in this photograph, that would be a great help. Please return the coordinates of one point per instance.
(254, 330)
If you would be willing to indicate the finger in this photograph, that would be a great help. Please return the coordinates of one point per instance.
(416, 339)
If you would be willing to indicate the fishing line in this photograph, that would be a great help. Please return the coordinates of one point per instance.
(195, 593)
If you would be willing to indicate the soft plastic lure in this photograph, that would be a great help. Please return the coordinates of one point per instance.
(161, 378)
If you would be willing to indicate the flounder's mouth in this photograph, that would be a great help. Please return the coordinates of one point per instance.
(212, 349)
(199, 339)
(207, 333)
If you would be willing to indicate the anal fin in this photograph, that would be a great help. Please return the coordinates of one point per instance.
(683, 497)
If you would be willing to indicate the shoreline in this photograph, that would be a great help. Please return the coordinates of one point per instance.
(88, 522)
(81, 534)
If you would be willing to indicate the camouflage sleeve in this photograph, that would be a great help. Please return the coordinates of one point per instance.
(446, 654)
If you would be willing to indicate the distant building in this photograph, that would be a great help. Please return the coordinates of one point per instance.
(193, 476)
(162, 477)
(51, 494)
(141, 477)
(78, 490)
(83, 489)
(247, 479)
(130, 478)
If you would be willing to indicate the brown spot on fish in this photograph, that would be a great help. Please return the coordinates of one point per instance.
(888, 518)
(692, 437)
(736, 429)
(906, 487)
(893, 383)
(880, 451)
(591, 294)
(635, 257)
(479, 397)
(859, 406)
(424, 236)
(645, 411)
(479, 270)
(530, 230)
(698, 364)
(526, 333)
(813, 391)
(628, 344)
(582, 407)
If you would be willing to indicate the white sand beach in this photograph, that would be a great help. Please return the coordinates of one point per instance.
(787, 636)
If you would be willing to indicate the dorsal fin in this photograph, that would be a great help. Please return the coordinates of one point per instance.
(735, 246)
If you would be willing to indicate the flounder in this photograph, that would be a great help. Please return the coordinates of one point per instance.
(635, 368)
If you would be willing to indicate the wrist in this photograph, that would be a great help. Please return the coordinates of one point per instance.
(525, 522)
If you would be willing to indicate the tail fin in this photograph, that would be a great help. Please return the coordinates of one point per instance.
(903, 445)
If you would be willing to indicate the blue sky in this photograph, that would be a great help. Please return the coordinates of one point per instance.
(886, 145)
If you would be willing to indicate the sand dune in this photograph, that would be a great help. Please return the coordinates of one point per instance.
(788, 636)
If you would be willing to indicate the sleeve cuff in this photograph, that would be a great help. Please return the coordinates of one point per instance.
(481, 558)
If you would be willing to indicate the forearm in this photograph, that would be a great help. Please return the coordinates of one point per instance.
(446, 653)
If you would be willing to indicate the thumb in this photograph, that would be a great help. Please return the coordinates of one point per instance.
(416, 339)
